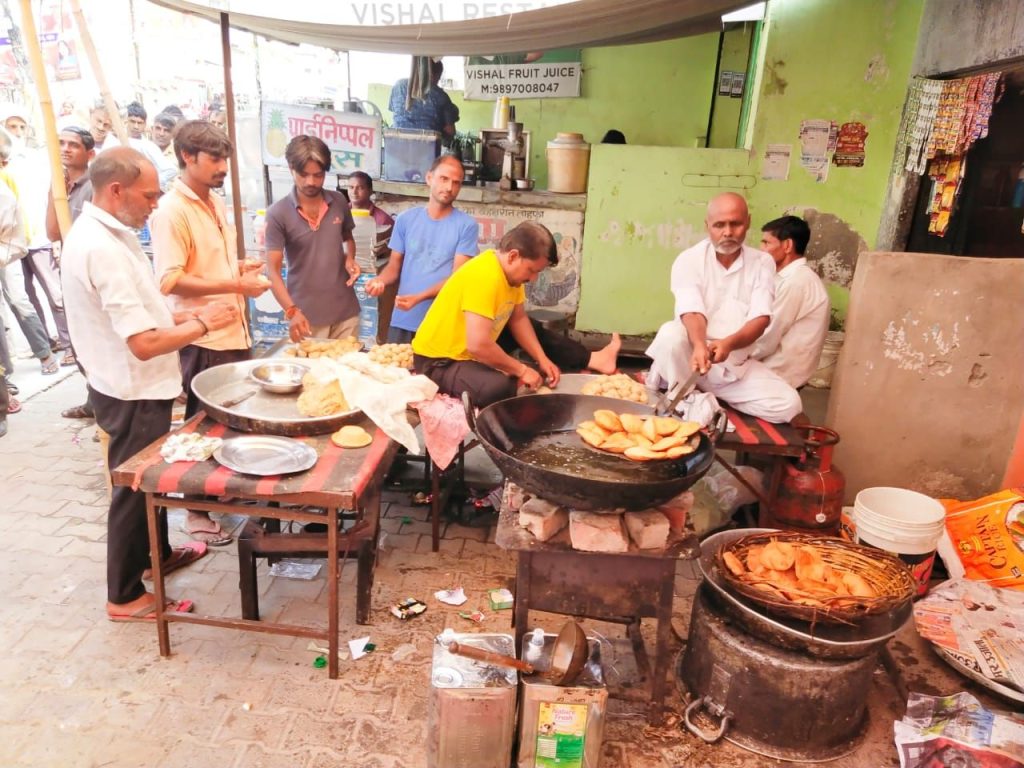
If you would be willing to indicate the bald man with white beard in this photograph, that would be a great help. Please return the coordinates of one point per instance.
(723, 293)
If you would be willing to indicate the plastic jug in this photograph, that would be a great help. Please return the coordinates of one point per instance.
(568, 163)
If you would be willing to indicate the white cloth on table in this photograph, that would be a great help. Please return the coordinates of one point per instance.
(791, 346)
(110, 294)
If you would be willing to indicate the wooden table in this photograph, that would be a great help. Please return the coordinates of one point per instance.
(776, 444)
(618, 587)
(341, 479)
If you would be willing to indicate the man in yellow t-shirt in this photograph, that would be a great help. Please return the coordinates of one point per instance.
(456, 344)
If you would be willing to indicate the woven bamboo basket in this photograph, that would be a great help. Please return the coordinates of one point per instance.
(888, 576)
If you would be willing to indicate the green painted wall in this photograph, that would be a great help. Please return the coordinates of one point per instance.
(656, 94)
(735, 55)
(829, 59)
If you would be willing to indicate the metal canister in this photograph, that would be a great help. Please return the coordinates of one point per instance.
(773, 701)
(472, 705)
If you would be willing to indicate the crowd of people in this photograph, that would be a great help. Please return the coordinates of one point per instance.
(31, 238)
(751, 322)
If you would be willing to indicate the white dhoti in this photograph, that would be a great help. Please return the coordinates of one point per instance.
(747, 385)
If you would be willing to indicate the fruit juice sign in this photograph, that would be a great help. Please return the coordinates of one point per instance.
(354, 139)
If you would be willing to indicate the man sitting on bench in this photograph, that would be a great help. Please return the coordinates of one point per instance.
(723, 303)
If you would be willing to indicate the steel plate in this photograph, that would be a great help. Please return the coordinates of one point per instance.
(997, 688)
(265, 455)
(264, 412)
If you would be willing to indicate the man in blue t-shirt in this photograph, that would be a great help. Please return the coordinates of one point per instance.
(427, 244)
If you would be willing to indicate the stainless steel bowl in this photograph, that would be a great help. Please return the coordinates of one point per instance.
(522, 185)
(279, 377)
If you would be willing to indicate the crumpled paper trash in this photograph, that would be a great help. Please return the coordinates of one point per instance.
(381, 392)
(443, 419)
(189, 447)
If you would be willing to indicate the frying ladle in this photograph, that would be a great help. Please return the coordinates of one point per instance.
(567, 659)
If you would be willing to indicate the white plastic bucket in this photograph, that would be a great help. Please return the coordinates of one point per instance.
(827, 360)
(905, 523)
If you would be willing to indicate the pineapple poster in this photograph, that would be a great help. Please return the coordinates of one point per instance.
(354, 139)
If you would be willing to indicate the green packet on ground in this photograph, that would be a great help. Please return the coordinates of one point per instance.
(500, 599)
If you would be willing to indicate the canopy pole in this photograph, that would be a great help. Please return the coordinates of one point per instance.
(35, 56)
(229, 108)
(94, 61)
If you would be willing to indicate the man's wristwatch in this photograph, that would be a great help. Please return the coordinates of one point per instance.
(291, 312)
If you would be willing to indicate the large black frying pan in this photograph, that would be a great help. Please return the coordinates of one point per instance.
(533, 441)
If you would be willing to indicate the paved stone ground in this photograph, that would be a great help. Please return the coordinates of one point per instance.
(81, 691)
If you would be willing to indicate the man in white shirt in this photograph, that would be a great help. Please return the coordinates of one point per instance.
(723, 303)
(792, 343)
(127, 340)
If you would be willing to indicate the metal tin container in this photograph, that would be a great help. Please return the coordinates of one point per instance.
(472, 705)
(776, 702)
(562, 725)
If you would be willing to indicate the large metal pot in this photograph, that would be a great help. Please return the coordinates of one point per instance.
(532, 440)
(224, 391)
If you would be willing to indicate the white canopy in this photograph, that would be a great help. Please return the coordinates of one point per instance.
(581, 24)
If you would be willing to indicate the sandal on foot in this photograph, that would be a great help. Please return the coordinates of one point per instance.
(49, 366)
(69, 359)
(11, 387)
(148, 612)
(180, 557)
(13, 405)
(218, 538)
(83, 411)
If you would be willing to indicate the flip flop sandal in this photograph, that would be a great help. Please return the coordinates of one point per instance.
(180, 557)
(12, 388)
(13, 405)
(69, 359)
(49, 366)
(148, 612)
(210, 538)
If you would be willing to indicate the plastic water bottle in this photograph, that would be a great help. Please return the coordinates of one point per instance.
(259, 229)
(533, 650)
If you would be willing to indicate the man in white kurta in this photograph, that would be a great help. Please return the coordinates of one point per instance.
(723, 303)
(791, 346)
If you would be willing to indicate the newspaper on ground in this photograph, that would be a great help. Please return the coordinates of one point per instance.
(944, 731)
(980, 625)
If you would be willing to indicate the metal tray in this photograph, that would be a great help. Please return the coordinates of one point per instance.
(265, 455)
(264, 412)
(976, 675)
(822, 640)
(572, 384)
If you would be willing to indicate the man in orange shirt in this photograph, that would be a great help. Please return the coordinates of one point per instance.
(196, 264)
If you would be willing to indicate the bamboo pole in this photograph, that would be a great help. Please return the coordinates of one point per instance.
(35, 56)
(97, 70)
(229, 110)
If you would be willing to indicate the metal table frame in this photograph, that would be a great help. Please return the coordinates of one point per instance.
(621, 588)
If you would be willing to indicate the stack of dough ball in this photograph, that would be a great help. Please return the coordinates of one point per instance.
(351, 437)
(397, 355)
(324, 347)
(640, 438)
(619, 386)
(321, 399)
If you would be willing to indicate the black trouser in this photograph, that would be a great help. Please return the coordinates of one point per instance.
(195, 360)
(484, 384)
(568, 354)
(132, 425)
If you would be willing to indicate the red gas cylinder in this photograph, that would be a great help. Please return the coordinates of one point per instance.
(810, 495)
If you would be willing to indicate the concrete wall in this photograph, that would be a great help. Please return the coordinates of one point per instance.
(929, 391)
(657, 94)
(834, 60)
(966, 34)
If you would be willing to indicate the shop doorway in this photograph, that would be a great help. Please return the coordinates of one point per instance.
(989, 212)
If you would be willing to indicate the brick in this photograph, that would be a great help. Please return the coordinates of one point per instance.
(542, 518)
(648, 529)
(594, 532)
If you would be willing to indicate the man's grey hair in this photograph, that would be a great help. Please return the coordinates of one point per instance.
(119, 164)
